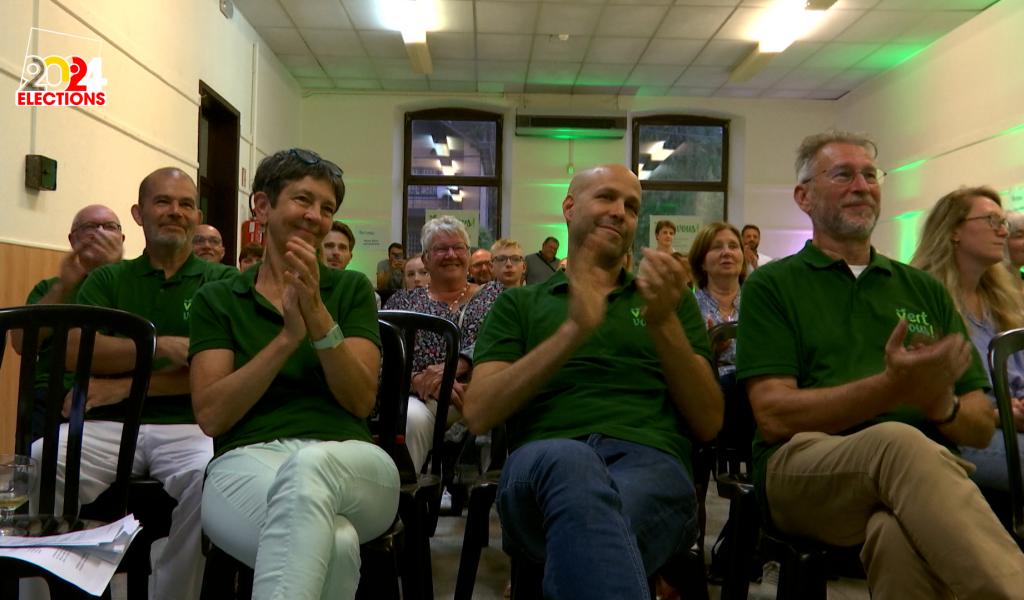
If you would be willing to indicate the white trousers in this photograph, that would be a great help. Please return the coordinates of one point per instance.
(297, 511)
(174, 455)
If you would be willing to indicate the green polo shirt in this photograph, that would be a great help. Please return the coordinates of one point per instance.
(806, 316)
(231, 315)
(612, 385)
(137, 287)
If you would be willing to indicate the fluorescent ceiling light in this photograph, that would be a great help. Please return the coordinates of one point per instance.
(780, 25)
(413, 18)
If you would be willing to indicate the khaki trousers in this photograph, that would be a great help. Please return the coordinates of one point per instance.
(926, 529)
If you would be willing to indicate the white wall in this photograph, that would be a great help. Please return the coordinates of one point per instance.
(363, 133)
(953, 106)
(154, 54)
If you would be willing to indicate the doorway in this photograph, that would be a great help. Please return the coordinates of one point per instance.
(218, 167)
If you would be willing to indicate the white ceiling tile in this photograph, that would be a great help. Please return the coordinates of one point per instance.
(263, 13)
(454, 70)
(692, 22)
(340, 67)
(741, 24)
(451, 45)
(762, 3)
(383, 44)
(654, 75)
(612, 50)
(554, 73)
(590, 2)
(302, 66)
(503, 46)
(703, 77)
(499, 70)
(338, 42)
(851, 78)
(847, 4)
(603, 75)
(937, 4)
(455, 15)
(796, 54)
(785, 93)
(357, 84)
(438, 85)
(839, 56)
(283, 40)
(315, 83)
(696, 92)
(630, 21)
(764, 78)
(805, 79)
(934, 26)
(550, 48)
(880, 26)
(365, 14)
(827, 94)
(505, 17)
(888, 56)
(664, 51)
(405, 85)
(327, 14)
(834, 23)
(395, 68)
(724, 53)
(574, 19)
(644, 2)
(739, 92)
(707, 2)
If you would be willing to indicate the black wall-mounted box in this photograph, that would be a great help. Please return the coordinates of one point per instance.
(40, 172)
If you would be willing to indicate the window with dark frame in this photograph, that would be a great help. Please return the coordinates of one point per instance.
(452, 163)
(683, 165)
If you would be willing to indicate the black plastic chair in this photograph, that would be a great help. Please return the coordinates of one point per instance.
(1000, 349)
(59, 320)
(227, 578)
(482, 493)
(420, 500)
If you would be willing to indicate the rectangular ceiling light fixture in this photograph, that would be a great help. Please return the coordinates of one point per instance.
(413, 18)
(780, 25)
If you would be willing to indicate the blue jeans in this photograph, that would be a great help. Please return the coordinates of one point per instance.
(991, 462)
(601, 514)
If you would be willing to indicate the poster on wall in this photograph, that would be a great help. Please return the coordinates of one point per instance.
(469, 218)
(687, 227)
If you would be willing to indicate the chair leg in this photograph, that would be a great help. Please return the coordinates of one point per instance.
(743, 515)
(417, 583)
(802, 576)
(481, 498)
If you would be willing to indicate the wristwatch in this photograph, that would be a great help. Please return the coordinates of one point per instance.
(332, 339)
(952, 413)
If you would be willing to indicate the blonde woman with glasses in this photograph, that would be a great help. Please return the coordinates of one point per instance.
(962, 245)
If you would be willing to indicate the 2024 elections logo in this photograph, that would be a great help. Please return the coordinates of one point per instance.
(57, 79)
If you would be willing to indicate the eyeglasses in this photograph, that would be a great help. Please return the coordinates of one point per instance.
(312, 158)
(500, 260)
(109, 226)
(204, 239)
(994, 221)
(846, 175)
(458, 249)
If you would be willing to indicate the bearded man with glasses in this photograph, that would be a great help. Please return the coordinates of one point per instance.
(863, 382)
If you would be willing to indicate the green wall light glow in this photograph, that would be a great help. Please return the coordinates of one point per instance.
(909, 166)
(907, 231)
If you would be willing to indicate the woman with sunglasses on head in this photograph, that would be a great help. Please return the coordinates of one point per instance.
(962, 245)
(284, 370)
(451, 295)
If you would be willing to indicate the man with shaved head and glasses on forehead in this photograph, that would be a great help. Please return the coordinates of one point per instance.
(96, 240)
(862, 382)
(159, 285)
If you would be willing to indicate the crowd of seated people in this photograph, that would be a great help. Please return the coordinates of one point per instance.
(600, 375)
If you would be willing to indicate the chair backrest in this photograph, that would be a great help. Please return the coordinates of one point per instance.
(732, 447)
(1000, 349)
(56, 320)
(393, 391)
(412, 323)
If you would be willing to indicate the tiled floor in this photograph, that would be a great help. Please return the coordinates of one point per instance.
(493, 574)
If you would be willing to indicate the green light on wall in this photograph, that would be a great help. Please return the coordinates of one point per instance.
(1014, 129)
(909, 166)
(908, 231)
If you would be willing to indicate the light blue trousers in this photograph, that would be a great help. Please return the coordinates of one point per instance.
(297, 510)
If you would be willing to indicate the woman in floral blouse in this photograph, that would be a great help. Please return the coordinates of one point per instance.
(719, 268)
(445, 244)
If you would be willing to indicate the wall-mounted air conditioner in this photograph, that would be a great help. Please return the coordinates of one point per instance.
(571, 127)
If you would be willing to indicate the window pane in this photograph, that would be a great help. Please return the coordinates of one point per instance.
(680, 153)
(475, 206)
(463, 148)
(705, 206)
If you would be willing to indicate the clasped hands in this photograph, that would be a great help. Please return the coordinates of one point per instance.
(303, 309)
(924, 373)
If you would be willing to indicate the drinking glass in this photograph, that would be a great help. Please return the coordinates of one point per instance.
(17, 477)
